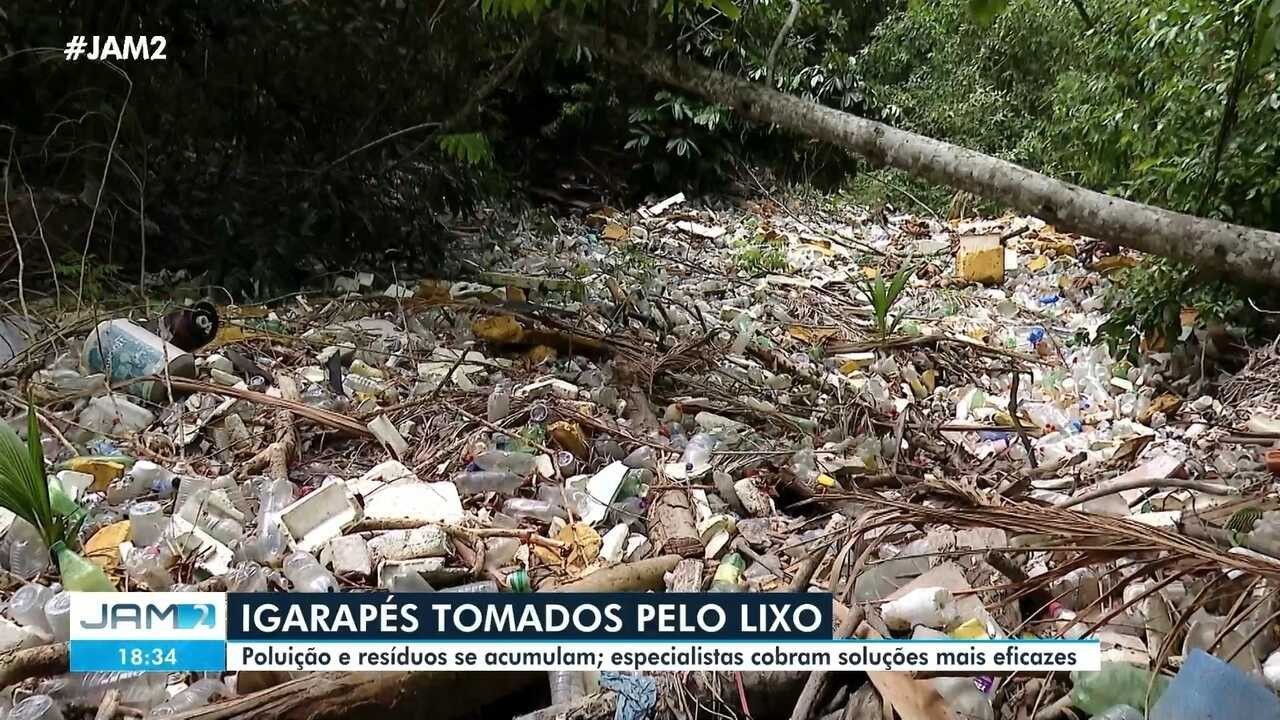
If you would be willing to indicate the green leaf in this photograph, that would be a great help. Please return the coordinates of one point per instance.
(1266, 37)
(728, 8)
(467, 148)
(986, 11)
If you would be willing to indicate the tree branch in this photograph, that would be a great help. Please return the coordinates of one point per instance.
(782, 36)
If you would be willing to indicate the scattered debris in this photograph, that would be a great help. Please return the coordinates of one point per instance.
(693, 399)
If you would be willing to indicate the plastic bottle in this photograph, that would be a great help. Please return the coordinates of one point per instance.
(1114, 684)
(142, 690)
(28, 554)
(149, 566)
(147, 523)
(270, 544)
(27, 607)
(61, 502)
(1120, 712)
(402, 580)
(500, 551)
(518, 581)
(307, 574)
(153, 477)
(484, 586)
(36, 707)
(964, 699)
(641, 458)
(566, 686)
(57, 613)
(534, 509)
(198, 694)
(728, 577)
(78, 574)
(484, 481)
(697, 453)
(188, 487)
(519, 463)
(246, 577)
(499, 404)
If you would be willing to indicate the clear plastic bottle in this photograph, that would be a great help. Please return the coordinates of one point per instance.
(566, 686)
(153, 477)
(542, 510)
(198, 694)
(966, 701)
(499, 405)
(27, 607)
(403, 580)
(697, 453)
(270, 544)
(246, 577)
(484, 481)
(728, 577)
(642, 458)
(142, 690)
(36, 707)
(1114, 684)
(28, 554)
(189, 486)
(149, 566)
(57, 613)
(147, 523)
(519, 463)
(484, 586)
(307, 574)
(500, 551)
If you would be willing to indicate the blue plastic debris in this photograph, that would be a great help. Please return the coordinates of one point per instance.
(1049, 299)
(637, 694)
(1037, 334)
(1207, 688)
(1075, 426)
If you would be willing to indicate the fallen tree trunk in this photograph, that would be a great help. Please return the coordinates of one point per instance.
(1234, 250)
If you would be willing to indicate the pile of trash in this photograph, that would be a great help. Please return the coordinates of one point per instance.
(917, 416)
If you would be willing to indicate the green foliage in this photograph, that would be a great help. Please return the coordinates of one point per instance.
(467, 148)
(1130, 106)
(24, 487)
(761, 256)
(101, 279)
(985, 11)
(883, 297)
(1265, 43)
(1148, 301)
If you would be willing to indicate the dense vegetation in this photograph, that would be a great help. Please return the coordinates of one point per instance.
(282, 134)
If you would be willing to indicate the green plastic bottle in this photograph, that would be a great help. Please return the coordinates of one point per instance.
(1115, 684)
(79, 574)
(728, 577)
(518, 582)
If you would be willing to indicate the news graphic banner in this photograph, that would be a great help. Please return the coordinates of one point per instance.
(207, 632)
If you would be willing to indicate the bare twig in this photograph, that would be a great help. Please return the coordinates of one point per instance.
(1113, 488)
(1017, 424)
(102, 182)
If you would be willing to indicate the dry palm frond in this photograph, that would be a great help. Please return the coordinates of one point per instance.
(1076, 528)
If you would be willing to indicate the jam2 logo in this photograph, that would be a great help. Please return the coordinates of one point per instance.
(152, 616)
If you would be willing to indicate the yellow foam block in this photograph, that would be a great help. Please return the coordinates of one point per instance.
(981, 259)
